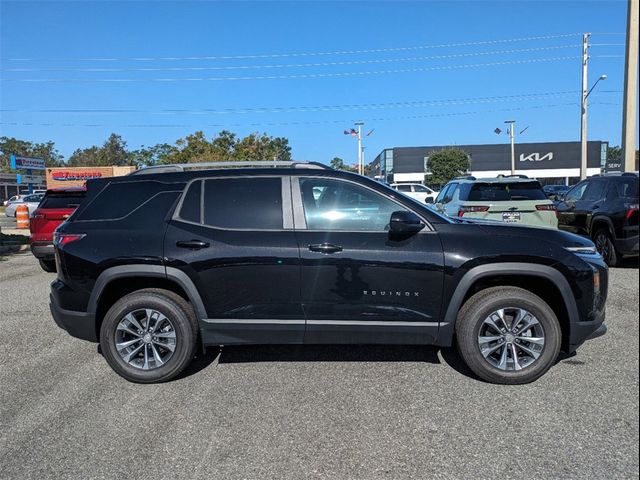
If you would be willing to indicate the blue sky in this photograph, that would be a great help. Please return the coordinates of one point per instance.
(419, 73)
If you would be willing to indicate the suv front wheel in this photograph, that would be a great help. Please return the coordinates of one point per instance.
(508, 335)
(149, 336)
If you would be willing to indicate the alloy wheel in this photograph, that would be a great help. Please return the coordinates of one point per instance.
(511, 339)
(145, 339)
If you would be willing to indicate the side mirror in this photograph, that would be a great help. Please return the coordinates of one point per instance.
(405, 223)
(428, 200)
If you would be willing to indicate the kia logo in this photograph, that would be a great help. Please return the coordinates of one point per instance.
(536, 157)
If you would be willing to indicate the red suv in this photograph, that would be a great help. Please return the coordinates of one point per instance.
(56, 206)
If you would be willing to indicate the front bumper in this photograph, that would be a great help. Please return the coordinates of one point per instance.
(77, 324)
(43, 250)
(582, 331)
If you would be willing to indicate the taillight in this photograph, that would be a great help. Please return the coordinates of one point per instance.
(472, 209)
(61, 239)
(547, 208)
(631, 209)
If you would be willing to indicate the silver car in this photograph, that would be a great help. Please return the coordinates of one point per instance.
(31, 201)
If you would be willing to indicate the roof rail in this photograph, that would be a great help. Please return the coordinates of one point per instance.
(465, 177)
(184, 167)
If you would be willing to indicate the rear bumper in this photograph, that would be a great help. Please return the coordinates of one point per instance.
(628, 246)
(583, 331)
(77, 324)
(43, 250)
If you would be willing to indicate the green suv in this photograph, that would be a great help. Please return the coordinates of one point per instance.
(509, 199)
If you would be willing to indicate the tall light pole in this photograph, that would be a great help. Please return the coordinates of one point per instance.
(511, 131)
(358, 134)
(629, 126)
(583, 123)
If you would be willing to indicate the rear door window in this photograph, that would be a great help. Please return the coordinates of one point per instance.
(497, 192)
(243, 203)
(67, 200)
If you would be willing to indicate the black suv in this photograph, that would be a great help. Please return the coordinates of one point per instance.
(153, 266)
(605, 209)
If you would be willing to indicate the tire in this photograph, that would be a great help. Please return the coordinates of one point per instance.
(48, 265)
(472, 321)
(180, 322)
(606, 247)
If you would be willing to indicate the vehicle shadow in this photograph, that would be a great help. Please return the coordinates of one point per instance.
(629, 263)
(328, 353)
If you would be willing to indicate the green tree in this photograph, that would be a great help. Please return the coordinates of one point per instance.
(113, 152)
(338, 164)
(155, 155)
(46, 151)
(446, 164)
(614, 154)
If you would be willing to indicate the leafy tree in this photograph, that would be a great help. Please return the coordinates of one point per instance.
(338, 164)
(614, 154)
(46, 151)
(113, 152)
(147, 156)
(447, 164)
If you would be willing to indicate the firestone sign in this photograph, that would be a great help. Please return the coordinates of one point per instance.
(26, 163)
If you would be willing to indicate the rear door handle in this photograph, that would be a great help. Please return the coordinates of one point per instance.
(192, 244)
(325, 248)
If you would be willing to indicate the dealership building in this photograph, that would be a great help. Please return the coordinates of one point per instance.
(551, 163)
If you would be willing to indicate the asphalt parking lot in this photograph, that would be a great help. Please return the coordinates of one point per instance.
(309, 412)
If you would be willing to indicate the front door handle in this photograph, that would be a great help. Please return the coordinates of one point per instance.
(192, 244)
(325, 248)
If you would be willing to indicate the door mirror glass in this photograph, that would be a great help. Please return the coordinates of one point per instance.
(428, 200)
(405, 223)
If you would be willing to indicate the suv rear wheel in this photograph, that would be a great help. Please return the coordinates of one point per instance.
(508, 335)
(48, 265)
(149, 336)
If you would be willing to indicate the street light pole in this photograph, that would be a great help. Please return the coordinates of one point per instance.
(360, 166)
(583, 104)
(512, 137)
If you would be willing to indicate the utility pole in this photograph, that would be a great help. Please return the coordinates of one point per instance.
(583, 103)
(629, 127)
(512, 137)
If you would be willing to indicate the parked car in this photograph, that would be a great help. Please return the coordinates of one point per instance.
(157, 265)
(514, 200)
(56, 206)
(417, 191)
(555, 192)
(15, 198)
(31, 201)
(605, 209)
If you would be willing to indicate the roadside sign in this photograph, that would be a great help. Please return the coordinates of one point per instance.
(7, 177)
(29, 179)
(26, 163)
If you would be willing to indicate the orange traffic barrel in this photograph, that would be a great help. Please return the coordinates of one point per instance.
(22, 216)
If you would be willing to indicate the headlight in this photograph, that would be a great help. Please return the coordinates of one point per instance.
(584, 250)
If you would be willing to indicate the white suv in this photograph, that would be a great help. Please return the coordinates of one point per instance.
(417, 191)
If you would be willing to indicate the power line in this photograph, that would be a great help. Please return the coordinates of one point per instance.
(302, 54)
(293, 123)
(295, 65)
(316, 108)
(288, 76)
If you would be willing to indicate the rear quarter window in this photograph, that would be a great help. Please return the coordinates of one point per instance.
(117, 200)
(498, 192)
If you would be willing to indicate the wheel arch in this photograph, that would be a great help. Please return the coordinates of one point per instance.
(515, 274)
(601, 221)
(115, 282)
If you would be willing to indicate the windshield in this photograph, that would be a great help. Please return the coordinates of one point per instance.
(498, 192)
